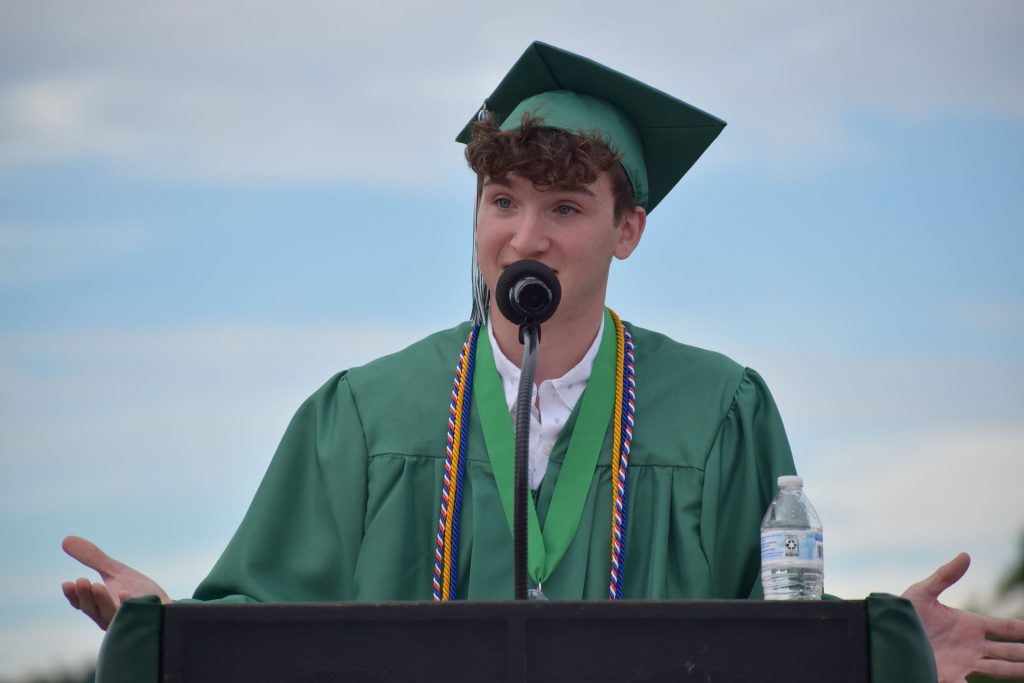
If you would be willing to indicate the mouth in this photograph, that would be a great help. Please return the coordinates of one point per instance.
(552, 268)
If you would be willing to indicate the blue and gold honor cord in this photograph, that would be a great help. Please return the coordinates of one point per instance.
(446, 552)
(622, 437)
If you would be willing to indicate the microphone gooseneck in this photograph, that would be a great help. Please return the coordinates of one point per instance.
(527, 293)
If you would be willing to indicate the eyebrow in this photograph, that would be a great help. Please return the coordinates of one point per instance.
(574, 187)
(561, 187)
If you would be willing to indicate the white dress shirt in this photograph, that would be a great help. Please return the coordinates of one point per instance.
(553, 401)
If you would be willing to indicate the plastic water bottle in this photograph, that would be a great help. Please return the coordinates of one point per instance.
(792, 559)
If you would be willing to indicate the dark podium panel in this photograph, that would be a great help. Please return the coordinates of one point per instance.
(717, 642)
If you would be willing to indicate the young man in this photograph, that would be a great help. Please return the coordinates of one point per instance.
(393, 481)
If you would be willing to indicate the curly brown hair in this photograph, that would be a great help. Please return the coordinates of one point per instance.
(548, 157)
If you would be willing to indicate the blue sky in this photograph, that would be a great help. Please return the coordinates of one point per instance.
(206, 209)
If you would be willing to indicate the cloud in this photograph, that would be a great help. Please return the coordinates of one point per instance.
(254, 96)
(897, 505)
(327, 92)
(32, 253)
(990, 316)
(160, 403)
(44, 647)
(910, 454)
(840, 369)
(49, 119)
(174, 425)
(967, 481)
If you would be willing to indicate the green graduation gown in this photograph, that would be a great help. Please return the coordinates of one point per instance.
(348, 508)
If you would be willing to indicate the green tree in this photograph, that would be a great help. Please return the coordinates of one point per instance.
(82, 676)
(1014, 580)
(1011, 584)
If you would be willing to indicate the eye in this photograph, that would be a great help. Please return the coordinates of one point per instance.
(566, 210)
(503, 203)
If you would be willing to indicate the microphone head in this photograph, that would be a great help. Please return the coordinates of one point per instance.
(527, 292)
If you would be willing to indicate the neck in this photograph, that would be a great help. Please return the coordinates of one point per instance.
(563, 343)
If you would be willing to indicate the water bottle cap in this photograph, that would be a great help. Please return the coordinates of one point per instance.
(791, 481)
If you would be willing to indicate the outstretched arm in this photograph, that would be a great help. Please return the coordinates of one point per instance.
(120, 582)
(960, 640)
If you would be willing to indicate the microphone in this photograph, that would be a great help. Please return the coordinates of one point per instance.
(528, 292)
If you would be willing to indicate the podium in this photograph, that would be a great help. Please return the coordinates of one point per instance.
(875, 640)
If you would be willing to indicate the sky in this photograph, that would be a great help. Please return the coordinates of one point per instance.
(208, 208)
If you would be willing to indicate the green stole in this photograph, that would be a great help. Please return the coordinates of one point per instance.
(547, 547)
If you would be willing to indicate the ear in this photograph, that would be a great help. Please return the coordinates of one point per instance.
(630, 231)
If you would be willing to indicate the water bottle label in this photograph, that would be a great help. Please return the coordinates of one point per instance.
(781, 545)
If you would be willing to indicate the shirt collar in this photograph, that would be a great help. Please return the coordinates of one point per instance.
(569, 387)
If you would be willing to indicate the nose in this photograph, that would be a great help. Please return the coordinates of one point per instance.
(530, 237)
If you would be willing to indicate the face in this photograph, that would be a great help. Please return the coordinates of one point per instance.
(571, 230)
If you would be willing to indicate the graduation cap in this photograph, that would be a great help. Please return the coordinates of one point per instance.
(658, 137)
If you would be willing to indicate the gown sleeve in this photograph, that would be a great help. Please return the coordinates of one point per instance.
(749, 452)
(300, 538)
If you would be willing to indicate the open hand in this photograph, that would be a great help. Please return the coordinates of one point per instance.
(960, 639)
(120, 582)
